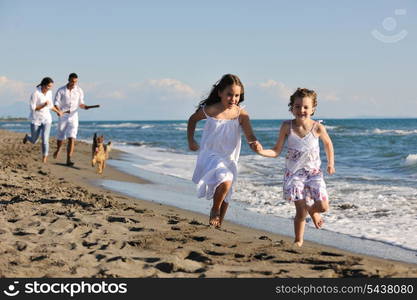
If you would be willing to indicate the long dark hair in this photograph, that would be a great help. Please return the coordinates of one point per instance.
(45, 82)
(224, 82)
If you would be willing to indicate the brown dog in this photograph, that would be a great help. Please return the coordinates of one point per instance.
(100, 153)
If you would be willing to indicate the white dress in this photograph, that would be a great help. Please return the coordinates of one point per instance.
(218, 156)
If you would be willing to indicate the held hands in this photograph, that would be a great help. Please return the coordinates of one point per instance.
(331, 170)
(256, 146)
(193, 145)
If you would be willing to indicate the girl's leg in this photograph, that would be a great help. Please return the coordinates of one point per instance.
(34, 134)
(218, 199)
(315, 210)
(223, 210)
(299, 221)
(46, 129)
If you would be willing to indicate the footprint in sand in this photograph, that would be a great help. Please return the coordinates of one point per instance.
(214, 253)
(193, 255)
(165, 267)
(19, 232)
(324, 253)
(135, 243)
(263, 256)
(21, 245)
(89, 244)
(199, 238)
(116, 258)
(116, 219)
(13, 220)
(150, 260)
(38, 258)
(195, 222)
(86, 234)
(100, 257)
(172, 239)
(136, 229)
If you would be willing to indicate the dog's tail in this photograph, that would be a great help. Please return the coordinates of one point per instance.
(94, 147)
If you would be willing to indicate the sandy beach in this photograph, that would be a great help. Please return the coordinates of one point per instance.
(56, 223)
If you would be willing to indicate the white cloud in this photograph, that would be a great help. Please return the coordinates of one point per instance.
(164, 98)
(13, 90)
(277, 88)
(328, 95)
(166, 87)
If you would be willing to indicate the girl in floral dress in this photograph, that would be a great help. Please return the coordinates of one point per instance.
(303, 179)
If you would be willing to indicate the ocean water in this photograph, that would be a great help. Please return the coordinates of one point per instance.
(373, 194)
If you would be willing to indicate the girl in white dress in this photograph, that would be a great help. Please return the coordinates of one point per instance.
(216, 169)
(303, 178)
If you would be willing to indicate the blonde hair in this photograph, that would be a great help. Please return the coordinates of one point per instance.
(301, 93)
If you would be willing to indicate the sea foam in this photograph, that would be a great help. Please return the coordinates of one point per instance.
(410, 160)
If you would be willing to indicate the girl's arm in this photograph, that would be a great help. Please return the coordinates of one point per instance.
(192, 122)
(276, 150)
(247, 127)
(328, 147)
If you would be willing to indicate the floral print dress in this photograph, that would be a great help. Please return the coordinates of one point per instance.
(303, 178)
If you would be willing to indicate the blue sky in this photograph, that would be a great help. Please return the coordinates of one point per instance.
(146, 60)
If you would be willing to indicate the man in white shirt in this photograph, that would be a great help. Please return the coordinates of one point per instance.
(68, 99)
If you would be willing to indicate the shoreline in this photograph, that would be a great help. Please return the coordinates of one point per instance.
(58, 223)
(179, 196)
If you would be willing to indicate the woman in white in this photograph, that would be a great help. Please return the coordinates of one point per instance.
(40, 115)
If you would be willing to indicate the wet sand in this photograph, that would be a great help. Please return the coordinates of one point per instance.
(56, 223)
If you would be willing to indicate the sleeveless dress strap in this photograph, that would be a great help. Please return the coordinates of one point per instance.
(312, 127)
(316, 123)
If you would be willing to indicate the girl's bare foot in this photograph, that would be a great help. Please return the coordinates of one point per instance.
(44, 159)
(317, 220)
(214, 218)
(298, 243)
(56, 154)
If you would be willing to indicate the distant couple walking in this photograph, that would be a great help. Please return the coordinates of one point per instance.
(68, 99)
